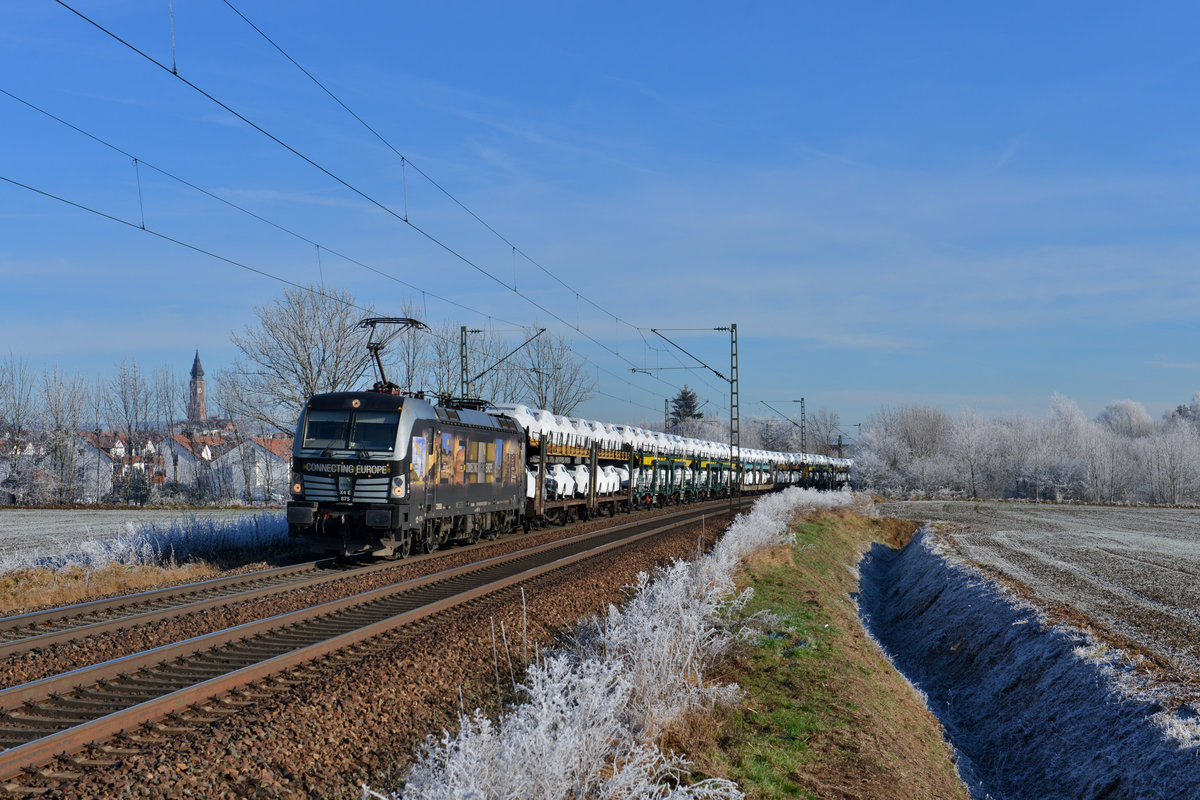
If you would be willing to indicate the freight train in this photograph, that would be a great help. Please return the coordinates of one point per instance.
(389, 473)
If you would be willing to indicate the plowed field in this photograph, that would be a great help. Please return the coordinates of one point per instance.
(1133, 573)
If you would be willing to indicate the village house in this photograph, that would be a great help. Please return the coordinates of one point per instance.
(199, 459)
(258, 469)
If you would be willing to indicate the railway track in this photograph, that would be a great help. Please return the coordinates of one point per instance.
(42, 720)
(24, 632)
(40, 629)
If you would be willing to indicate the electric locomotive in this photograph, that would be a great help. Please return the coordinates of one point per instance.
(389, 473)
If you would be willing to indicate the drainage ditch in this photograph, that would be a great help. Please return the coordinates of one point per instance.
(1030, 718)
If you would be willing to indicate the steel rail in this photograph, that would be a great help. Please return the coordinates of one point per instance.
(137, 618)
(144, 608)
(103, 681)
(50, 615)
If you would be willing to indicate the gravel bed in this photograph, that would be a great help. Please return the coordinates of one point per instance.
(37, 664)
(344, 722)
(1130, 574)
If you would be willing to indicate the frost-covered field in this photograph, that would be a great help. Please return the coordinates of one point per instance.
(1132, 571)
(47, 537)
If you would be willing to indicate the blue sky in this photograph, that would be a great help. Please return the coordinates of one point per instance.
(956, 204)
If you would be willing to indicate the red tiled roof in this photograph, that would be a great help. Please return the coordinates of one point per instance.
(278, 447)
(195, 444)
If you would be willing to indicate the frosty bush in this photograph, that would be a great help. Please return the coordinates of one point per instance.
(590, 713)
(166, 543)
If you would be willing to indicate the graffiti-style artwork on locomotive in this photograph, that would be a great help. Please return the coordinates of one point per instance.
(419, 464)
(446, 458)
(460, 460)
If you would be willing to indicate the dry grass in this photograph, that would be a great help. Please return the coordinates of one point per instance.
(28, 589)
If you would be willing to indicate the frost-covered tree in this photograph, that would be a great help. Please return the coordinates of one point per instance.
(906, 451)
(969, 450)
(1171, 457)
(1126, 418)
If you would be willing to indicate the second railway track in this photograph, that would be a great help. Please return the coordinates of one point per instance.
(65, 713)
(55, 626)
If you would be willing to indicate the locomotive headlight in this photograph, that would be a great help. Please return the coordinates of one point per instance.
(297, 483)
(398, 486)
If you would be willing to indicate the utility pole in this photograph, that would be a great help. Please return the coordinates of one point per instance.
(840, 446)
(462, 359)
(735, 434)
(666, 415)
(735, 441)
(803, 429)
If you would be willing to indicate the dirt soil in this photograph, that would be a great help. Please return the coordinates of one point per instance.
(1130, 576)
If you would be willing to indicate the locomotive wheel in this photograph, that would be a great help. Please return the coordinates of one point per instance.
(405, 546)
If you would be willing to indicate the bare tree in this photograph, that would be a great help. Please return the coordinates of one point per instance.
(98, 407)
(774, 434)
(555, 378)
(823, 428)
(304, 343)
(62, 402)
(410, 347)
(170, 393)
(440, 368)
(131, 400)
(17, 383)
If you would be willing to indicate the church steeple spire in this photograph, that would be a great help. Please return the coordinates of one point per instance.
(197, 410)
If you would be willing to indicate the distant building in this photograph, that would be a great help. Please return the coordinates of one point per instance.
(197, 410)
(257, 469)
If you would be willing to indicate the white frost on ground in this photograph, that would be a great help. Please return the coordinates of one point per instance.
(592, 710)
(1033, 711)
(162, 542)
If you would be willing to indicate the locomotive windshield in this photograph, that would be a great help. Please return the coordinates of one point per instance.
(350, 430)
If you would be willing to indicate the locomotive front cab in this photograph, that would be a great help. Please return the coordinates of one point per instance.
(349, 472)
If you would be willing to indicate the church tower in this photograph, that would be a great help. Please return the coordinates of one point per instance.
(197, 410)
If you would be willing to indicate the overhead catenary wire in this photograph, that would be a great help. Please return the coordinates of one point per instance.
(229, 203)
(322, 292)
(179, 242)
(405, 160)
(318, 246)
(429, 236)
(349, 186)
